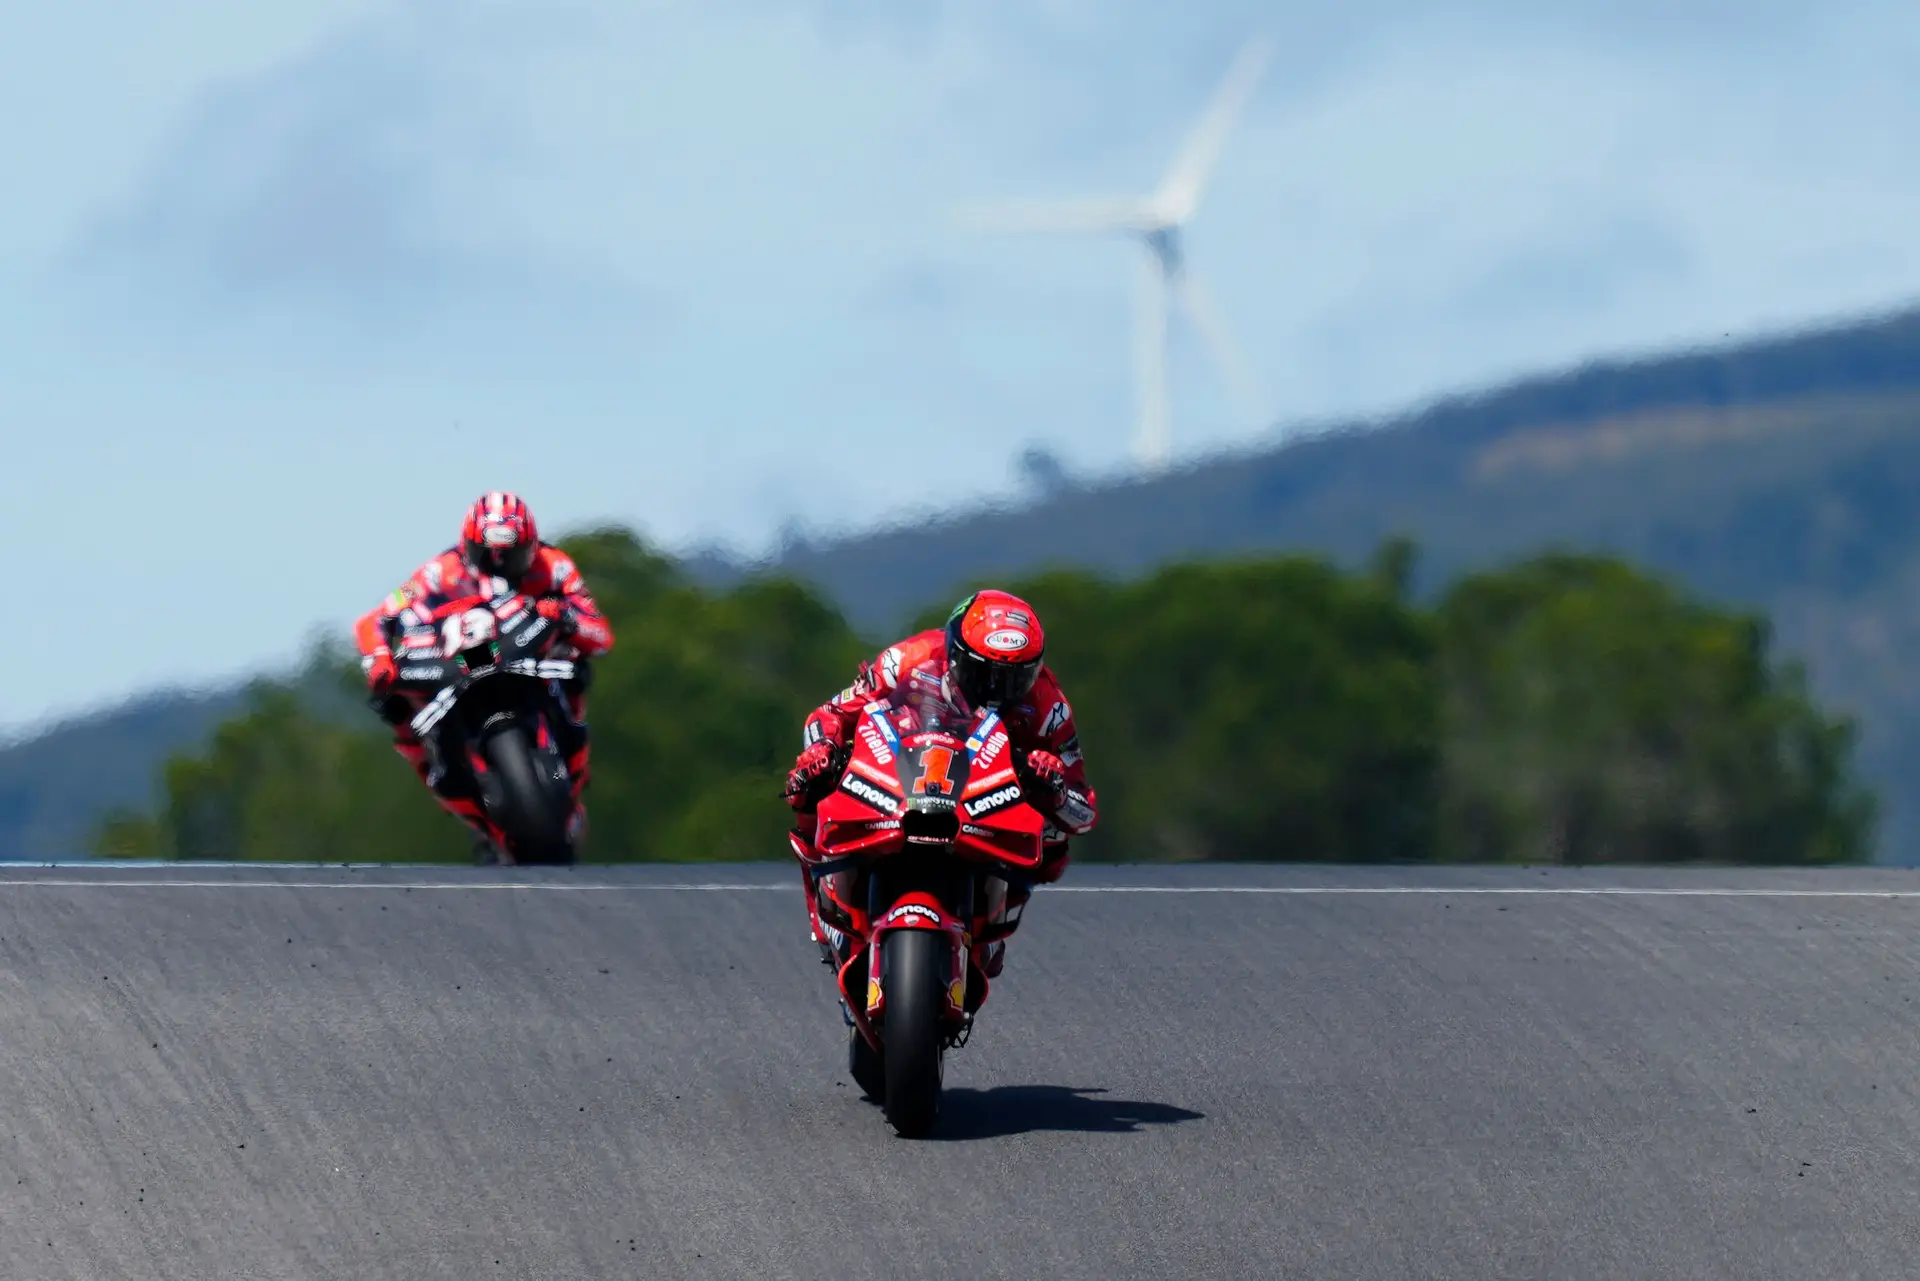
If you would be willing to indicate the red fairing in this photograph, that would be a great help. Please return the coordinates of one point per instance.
(1043, 722)
(553, 575)
(914, 911)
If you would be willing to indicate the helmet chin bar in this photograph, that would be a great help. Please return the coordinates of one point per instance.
(493, 562)
(1010, 690)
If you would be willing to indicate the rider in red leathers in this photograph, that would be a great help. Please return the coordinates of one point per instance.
(989, 654)
(498, 540)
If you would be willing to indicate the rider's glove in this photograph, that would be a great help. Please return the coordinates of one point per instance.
(812, 765)
(1049, 772)
(560, 614)
(380, 670)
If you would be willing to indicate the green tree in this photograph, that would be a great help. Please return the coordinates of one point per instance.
(1596, 714)
(1567, 708)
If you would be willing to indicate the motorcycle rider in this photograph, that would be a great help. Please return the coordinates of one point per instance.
(989, 654)
(499, 539)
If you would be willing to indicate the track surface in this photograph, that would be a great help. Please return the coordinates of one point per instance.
(357, 1074)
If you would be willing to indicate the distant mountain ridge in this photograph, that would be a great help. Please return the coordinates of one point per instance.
(1782, 472)
(1340, 490)
(53, 784)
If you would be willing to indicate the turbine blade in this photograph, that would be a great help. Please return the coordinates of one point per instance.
(1179, 193)
(1154, 444)
(1044, 216)
(1198, 301)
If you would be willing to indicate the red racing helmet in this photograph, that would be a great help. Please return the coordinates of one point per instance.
(500, 537)
(994, 648)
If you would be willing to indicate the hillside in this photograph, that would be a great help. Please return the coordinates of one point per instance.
(52, 785)
(1781, 473)
(1566, 456)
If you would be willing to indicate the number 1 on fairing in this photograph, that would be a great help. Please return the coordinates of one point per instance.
(933, 772)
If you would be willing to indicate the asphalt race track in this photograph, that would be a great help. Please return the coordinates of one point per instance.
(394, 1075)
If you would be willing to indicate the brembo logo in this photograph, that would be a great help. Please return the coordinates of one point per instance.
(863, 790)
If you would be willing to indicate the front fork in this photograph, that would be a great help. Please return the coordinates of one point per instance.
(941, 901)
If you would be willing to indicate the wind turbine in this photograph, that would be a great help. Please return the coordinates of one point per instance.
(1158, 221)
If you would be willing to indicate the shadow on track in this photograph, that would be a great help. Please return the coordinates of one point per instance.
(1008, 1110)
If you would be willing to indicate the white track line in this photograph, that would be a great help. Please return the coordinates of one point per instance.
(722, 887)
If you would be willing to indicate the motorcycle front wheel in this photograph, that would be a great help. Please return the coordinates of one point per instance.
(534, 819)
(912, 1014)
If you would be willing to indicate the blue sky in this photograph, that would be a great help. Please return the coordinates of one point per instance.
(282, 287)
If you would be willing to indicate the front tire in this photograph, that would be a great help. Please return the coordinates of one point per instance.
(913, 1013)
(529, 813)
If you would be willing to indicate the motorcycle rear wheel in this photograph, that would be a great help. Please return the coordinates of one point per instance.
(912, 1014)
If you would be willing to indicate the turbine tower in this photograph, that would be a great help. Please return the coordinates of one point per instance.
(1158, 221)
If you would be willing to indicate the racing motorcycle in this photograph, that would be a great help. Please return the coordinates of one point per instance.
(489, 696)
(911, 858)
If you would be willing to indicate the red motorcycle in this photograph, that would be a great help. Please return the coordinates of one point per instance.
(911, 858)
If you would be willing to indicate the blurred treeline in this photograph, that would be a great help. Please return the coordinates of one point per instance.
(1565, 709)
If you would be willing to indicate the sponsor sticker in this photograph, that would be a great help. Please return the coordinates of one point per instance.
(911, 909)
(981, 736)
(500, 536)
(861, 790)
(991, 752)
(877, 713)
(1055, 719)
(987, 782)
(876, 744)
(1007, 640)
(993, 801)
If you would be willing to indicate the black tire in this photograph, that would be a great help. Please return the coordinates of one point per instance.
(531, 813)
(914, 1009)
(867, 1066)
